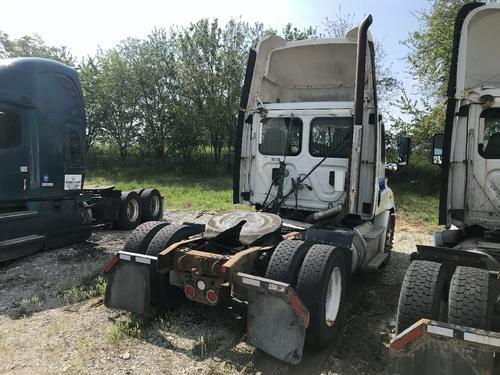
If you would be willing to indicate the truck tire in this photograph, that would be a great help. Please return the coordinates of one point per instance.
(468, 298)
(140, 238)
(286, 261)
(162, 293)
(389, 238)
(130, 211)
(321, 286)
(151, 205)
(169, 235)
(422, 293)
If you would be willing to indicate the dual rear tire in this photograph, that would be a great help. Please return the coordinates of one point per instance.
(428, 292)
(319, 275)
(138, 206)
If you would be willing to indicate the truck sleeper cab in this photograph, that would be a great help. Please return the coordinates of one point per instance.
(309, 158)
(454, 285)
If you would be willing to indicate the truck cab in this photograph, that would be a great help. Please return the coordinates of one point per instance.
(448, 311)
(303, 148)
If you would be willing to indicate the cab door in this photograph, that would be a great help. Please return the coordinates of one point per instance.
(483, 193)
(15, 155)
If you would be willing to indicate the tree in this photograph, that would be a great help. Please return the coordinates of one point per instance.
(33, 46)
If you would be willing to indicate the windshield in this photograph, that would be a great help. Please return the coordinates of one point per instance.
(275, 132)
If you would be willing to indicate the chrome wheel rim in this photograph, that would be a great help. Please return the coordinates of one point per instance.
(333, 297)
(132, 210)
(154, 206)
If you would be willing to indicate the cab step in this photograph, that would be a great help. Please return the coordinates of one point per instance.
(376, 262)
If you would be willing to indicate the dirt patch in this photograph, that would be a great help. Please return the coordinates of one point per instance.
(44, 329)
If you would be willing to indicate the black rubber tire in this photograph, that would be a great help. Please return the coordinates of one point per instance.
(140, 238)
(312, 286)
(147, 197)
(468, 298)
(123, 221)
(286, 261)
(169, 235)
(422, 293)
(389, 238)
(162, 293)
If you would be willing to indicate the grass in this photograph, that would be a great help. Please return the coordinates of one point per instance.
(416, 207)
(85, 291)
(194, 193)
(417, 201)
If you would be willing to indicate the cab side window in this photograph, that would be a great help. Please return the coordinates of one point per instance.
(280, 134)
(491, 136)
(74, 145)
(10, 129)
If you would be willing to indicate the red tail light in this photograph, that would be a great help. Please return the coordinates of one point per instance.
(212, 296)
(190, 291)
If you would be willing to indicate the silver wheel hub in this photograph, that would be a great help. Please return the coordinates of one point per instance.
(132, 210)
(333, 297)
(154, 206)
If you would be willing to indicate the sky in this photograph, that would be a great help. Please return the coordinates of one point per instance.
(83, 26)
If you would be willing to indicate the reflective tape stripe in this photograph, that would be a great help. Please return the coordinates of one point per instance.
(125, 257)
(277, 288)
(248, 281)
(481, 339)
(447, 332)
(143, 260)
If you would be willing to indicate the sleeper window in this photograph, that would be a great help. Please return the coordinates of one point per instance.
(275, 133)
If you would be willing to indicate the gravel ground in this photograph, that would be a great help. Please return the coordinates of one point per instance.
(51, 321)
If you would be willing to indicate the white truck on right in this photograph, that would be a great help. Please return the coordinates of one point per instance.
(449, 307)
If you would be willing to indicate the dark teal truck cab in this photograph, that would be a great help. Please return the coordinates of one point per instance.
(43, 203)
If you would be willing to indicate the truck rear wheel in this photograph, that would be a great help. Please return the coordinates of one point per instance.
(130, 211)
(162, 293)
(286, 261)
(422, 293)
(140, 238)
(151, 205)
(468, 298)
(322, 287)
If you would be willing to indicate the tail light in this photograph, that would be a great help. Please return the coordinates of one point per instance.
(190, 291)
(212, 296)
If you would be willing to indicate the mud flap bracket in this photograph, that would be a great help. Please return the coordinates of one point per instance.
(277, 319)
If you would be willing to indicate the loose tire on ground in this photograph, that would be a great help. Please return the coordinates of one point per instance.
(286, 261)
(140, 238)
(130, 210)
(422, 293)
(151, 205)
(162, 293)
(321, 285)
(468, 298)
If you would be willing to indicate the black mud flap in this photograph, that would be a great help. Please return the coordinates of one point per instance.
(277, 319)
(430, 347)
(128, 287)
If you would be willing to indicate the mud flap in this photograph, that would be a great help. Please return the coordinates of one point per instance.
(430, 347)
(277, 319)
(128, 286)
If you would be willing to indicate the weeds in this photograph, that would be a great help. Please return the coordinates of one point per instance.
(135, 326)
(30, 305)
(207, 344)
(85, 291)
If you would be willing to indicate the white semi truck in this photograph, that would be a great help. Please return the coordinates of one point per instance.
(448, 312)
(310, 157)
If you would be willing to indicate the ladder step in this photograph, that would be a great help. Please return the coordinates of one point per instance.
(376, 262)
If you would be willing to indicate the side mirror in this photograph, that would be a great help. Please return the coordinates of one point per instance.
(404, 151)
(437, 149)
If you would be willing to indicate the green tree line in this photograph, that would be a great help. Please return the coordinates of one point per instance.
(175, 94)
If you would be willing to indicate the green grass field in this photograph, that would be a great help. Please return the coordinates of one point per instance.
(215, 193)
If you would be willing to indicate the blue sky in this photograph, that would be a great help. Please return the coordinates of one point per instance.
(83, 26)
